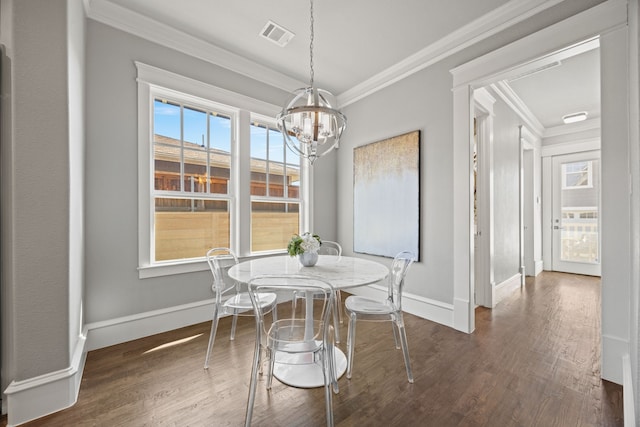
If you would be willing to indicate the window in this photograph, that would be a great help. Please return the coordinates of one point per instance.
(577, 175)
(212, 171)
(275, 189)
(192, 170)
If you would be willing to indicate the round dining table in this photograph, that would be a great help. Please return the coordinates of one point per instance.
(341, 271)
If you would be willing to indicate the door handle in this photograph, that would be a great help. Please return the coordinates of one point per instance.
(557, 227)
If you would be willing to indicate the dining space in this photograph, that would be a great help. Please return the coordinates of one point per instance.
(480, 380)
(300, 350)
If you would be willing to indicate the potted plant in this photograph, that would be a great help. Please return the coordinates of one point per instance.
(305, 247)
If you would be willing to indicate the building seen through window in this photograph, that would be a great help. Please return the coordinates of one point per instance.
(275, 189)
(193, 193)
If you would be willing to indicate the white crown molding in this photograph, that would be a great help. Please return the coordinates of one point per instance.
(504, 91)
(509, 14)
(139, 25)
(590, 24)
(503, 17)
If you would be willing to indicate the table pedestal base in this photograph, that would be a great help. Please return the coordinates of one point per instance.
(292, 370)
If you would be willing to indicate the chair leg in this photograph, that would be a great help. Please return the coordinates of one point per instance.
(254, 379)
(332, 368)
(294, 304)
(395, 334)
(405, 350)
(351, 343)
(212, 337)
(328, 380)
(336, 321)
(339, 305)
(233, 325)
(271, 359)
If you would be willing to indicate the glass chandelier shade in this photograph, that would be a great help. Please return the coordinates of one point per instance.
(309, 124)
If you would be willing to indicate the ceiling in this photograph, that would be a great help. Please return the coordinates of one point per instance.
(572, 86)
(356, 42)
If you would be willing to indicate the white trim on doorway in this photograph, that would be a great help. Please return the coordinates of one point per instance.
(484, 240)
(576, 32)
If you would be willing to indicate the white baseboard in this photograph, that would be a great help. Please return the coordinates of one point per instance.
(613, 351)
(628, 401)
(128, 328)
(539, 266)
(503, 289)
(37, 397)
(40, 396)
(43, 395)
(425, 308)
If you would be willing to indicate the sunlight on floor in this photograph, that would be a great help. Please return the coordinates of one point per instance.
(172, 343)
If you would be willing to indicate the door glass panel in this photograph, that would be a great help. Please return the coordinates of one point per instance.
(580, 217)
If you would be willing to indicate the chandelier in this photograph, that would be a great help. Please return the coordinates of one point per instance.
(310, 124)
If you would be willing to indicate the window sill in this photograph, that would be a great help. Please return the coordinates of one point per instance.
(159, 270)
(191, 266)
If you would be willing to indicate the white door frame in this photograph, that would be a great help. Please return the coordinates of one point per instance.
(484, 281)
(529, 206)
(526, 54)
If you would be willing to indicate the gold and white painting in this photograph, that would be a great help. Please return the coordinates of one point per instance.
(386, 193)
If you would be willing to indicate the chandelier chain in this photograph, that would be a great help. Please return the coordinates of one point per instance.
(311, 45)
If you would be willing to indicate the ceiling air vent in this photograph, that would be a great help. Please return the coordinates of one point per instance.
(276, 33)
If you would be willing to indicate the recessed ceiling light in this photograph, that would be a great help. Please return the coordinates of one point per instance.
(575, 117)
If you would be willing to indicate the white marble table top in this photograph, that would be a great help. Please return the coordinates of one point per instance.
(341, 271)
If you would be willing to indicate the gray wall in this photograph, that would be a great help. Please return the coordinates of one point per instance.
(421, 102)
(325, 189)
(424, 101)
(41, 153)
(113, 288)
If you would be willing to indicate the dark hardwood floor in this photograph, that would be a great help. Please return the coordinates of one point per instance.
(534, 360)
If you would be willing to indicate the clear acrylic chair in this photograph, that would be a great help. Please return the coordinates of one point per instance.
(239, 303)
(294, 340)
(389, 310)
(331, 248)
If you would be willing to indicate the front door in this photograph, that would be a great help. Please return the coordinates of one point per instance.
(576, 213)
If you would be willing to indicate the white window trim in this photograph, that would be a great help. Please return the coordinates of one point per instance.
(153, 81)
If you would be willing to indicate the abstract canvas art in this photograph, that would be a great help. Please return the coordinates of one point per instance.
(386, 193)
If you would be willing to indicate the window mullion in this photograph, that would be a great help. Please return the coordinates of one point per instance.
(182, 148)
(285, 172)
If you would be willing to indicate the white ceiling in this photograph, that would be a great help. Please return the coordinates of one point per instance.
(357, 40)
(571, 87)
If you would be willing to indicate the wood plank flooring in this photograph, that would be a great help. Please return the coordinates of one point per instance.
(534, 360)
